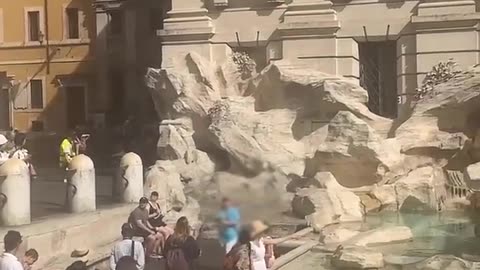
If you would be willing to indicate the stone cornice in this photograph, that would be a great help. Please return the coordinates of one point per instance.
(449, 20)
(435, 4)
(201, 33)
(309, 28)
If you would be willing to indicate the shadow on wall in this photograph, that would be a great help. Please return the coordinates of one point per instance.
(55, 115)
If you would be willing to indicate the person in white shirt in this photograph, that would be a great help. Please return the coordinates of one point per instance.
(3, 153)
(262, 250)
(20, 152)
(12, 242)
(127, 247)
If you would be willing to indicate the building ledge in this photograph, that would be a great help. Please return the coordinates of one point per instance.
(309, 28)
(446, 4)
(474, 17)
(201, 33)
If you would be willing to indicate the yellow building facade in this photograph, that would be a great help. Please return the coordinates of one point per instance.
(46, 54)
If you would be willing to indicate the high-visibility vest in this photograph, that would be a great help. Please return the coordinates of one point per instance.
(66, 152)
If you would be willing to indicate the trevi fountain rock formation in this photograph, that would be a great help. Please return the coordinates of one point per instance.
(250, 139)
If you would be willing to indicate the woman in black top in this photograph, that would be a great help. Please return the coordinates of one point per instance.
(155, 215)
(155, 218)
(181, 249)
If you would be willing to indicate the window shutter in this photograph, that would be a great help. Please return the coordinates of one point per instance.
(20, 92)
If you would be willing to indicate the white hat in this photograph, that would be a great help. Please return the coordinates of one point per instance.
(3, 140)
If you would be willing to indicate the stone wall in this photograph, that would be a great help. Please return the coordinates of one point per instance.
(324, 34)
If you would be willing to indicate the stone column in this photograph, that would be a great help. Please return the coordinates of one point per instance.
(82, 194)
(445, 29)
(129, 182)
(188, 29)
(131, 83)
(14, 193)
(309, 34)
(101, 63)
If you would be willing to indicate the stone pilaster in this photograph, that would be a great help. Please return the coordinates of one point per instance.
(187, 29)
(101, 63)
(131, 82)
(308, 32)
(445, 29)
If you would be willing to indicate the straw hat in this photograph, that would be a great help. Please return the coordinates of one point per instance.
(257, 227)
(78, 253)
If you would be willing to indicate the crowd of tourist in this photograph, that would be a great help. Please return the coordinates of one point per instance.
(146, 238)
(13, 146)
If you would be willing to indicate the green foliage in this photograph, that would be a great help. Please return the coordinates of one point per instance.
(441, 73)
(245, 64)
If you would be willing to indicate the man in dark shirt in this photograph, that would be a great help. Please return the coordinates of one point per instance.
(139, 220)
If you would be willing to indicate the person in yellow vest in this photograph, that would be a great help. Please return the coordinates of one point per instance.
(67, 153)
(67, 150)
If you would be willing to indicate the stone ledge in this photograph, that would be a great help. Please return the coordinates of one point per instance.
(307, 28)
(61, 234)
(445, 18)
(447, 4)
(203, 33)
(95, 257)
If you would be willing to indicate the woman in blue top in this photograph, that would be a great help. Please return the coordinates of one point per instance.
(229, 219)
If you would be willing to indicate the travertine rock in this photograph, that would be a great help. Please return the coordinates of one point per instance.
(442, 121)
(298, 122)
(444, 262)
(325, 180)
(472, 175)
(357, 258)
(383, 235)
(337, 235)
(387, 197)
(171, 145)
(164, 178)
(255, 196)
(321, 207)
(191, 210)
(255, 139)
(351, 143)
(420, 190)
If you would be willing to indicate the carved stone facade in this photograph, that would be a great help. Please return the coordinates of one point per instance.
(329, 36)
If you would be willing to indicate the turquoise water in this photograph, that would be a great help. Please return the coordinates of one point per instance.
(434, 233)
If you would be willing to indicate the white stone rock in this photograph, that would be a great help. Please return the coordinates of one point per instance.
(326, 180)
(440, 122)
(357, 258)
(351, 143)
(386, 195)
(337, 235)
(383, 235)
(324, 206)
(472, 175)
(266, 137)
(164, 179)
(191, 210)
(444, 262)
(420, 190)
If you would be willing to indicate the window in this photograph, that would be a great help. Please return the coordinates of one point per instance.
(115, 23)
(72, 23)
(34, 25)
(36, 94)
